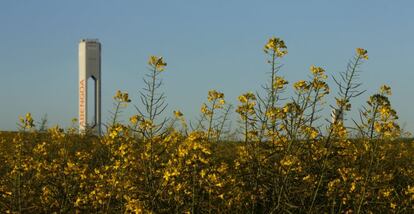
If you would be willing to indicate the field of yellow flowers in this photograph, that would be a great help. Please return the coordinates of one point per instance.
(286, 159)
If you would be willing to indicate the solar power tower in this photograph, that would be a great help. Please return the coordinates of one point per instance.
(90, 67)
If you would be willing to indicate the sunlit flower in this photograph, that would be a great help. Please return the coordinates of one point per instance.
(385, 89)
(122, 97)
(277, 46)
(27, 121)
(134, 119)
(214, 95)
(146, 125)
(157, 63)
(205, 110)
(177, 114)
(301, 85)
(279, 83)
(362, 53)
(318, 72)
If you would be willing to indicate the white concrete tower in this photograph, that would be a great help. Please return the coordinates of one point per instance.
(89, 67)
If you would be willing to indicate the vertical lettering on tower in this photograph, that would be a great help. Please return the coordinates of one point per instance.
(82, 101)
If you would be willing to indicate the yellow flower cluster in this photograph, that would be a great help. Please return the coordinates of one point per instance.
(205, 110)
(276, 46)
(279, 83)
(385, 90)
(116, 131)
(216, 100)
(178, 114)
(27, 121)
(301, 85)
(135, 119)
(274, 113)
(122, 97)
(146, 125)
(157, 63)
(245, 98)
(318, 72)
(248, 103)
(362, 53)
(215, 95)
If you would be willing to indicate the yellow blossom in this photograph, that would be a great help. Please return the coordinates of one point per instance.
(317, 71)
(353, 186)
(134, 119)
(122, 97)
(362, 53)
(277, 46)
(177, 114)
(214, 95)
(157, 63)
(205, 110)
(385, 89)
(221, 196)
(301, 85)
(279, 83)
(146, 125)
(27, 121)
(243, 99)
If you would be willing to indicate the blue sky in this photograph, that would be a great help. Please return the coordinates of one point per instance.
(207, 45)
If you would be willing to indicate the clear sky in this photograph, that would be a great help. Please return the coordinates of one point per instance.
(212, 44)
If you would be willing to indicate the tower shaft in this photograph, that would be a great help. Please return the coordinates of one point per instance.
(89, 67)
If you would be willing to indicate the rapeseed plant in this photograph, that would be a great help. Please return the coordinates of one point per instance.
(287, 161)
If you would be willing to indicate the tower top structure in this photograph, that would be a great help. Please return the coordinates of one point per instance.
(90, 40)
